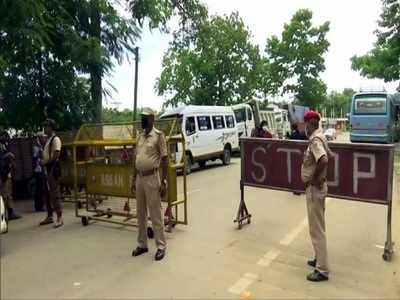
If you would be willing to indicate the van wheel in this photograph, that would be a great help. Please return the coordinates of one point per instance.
(202, 164)
(188, 169)
(226, 156)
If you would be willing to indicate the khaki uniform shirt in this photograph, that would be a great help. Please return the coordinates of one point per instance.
(315, 150)
(55, 146)
(150, 149)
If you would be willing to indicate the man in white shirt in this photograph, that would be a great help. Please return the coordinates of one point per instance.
(51, 154)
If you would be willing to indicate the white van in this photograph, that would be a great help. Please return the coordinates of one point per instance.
(248, 116)
(210, 133)
(244, 119)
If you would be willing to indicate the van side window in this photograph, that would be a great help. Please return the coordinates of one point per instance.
(249, 115)
(190, 126)
(204, 123)
(218, 122)
(230, 121)
(240, 115)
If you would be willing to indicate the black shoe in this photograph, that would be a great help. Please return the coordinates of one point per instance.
(13, 216)
(312, 263)
(317, 276)
(139, 251)
(159, 254)
(46, 221)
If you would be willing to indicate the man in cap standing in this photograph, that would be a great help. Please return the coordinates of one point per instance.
(151, 155)
(51, 154)
(313, 174)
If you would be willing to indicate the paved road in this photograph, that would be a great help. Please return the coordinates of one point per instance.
(209, 258)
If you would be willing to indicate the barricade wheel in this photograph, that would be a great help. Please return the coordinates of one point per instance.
(387, 256)
(85, 221)
(150, 233)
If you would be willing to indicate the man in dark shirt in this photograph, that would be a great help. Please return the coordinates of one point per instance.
(296, 134)
(262, 131)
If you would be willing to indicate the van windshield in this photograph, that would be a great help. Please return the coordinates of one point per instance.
(370, 105)
(240, 115)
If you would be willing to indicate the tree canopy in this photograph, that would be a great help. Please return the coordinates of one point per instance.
(54, 54)
(295, 60)
(220, 67)
(383, 61)
(337, 103)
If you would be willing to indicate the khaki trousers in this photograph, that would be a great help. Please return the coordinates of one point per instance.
(316, 220)
(6, 193)
(148, 195)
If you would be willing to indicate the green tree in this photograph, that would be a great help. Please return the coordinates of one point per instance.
(383, 61)
(220, 67)
(112, 115)
(46, 47)
(294, 61)
(49, 47)
(338, 103)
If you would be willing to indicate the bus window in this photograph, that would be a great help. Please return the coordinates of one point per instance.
(240, 115)
(218, 122)
(249, 115)
(204, 123)
(230, 121)
(190, 126)
(370, 105)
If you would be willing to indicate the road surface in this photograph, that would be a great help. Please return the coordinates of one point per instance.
(209, 258)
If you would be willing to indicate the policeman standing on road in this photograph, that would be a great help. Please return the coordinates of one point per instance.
(313, 174)
(51, 154)
(151, 155)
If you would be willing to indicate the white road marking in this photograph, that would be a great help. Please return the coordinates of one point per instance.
(289, 238)
(380, 247)
(268, 258)
(243, 283)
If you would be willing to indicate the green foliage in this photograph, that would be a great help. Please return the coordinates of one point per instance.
(383, 61)
(220, 67)
(46, 48)
(54, 53)
(112, 115)
(338, 102)
(296, 60)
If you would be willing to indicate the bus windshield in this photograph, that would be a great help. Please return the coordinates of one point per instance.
(370, 105)
(240, 115)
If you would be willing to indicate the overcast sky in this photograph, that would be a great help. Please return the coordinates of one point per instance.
(351, 32)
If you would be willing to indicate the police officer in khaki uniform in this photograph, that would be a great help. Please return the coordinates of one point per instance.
(151, 155)
(313, 174)
(51, 154)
